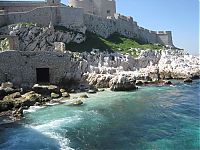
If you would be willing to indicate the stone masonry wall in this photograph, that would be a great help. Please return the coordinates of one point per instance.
(65, 16)
(20, 67)
(74, 18)
(125, 26)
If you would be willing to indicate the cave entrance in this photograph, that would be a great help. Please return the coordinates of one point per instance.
(42, 75)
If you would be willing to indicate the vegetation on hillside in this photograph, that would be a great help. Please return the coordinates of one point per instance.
(115, 42)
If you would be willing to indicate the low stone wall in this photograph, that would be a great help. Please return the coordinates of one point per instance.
(20, 67)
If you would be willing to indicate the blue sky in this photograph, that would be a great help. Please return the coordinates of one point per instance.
(179, 16)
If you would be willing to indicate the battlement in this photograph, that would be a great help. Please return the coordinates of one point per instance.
(163, 32)
(122, 17)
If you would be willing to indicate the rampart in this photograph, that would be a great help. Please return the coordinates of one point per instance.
(125, 26)
(75, 18)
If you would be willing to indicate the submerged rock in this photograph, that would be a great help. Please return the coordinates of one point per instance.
(76, 103)
(188, 80)
(84, 96)
(91, 91)
(168, 82)
(139, 83)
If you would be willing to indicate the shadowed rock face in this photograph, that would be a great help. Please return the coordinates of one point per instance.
(122, 83)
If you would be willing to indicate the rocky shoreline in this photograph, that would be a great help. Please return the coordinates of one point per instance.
(14, 101)
(81, 72)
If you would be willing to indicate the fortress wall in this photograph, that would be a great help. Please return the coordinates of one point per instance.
(71, 17)
(147, 36)
(20, 6)
(101, 26)
(165, 37)
(43, 15)
(125, 28)
(121, 24)
(20, 67)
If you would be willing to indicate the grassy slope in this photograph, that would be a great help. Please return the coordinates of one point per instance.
(115, 42)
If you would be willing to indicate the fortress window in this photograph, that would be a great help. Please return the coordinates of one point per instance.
(108, 11)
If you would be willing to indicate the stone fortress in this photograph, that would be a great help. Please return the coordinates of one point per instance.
(31, 61)
(97, 16)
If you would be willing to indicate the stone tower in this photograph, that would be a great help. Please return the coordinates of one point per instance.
(103, 8)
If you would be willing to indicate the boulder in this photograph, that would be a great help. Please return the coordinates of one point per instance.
(101, 90)
(62, 90)
(12, 96)
(84, 96)
(167, 82)
(195, 77)
(76, 103)
(54, 95)
(65, 94)
(188, 80)
(46, 89)
(9, 90)
(7, 85)
(53, 89)
(41, 89)
(91, 91)
(28, 99)
(6, 105)
(139, 83)
(18, 113)
(122, 83)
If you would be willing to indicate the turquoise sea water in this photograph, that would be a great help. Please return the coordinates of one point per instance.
(152, 118)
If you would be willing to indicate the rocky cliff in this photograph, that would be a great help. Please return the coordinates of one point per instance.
(35, 38)
(37, 50)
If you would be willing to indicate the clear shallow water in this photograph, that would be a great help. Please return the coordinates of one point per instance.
(152, 118)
